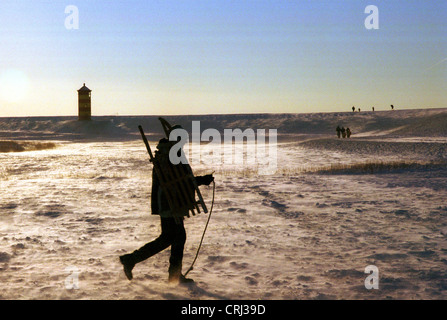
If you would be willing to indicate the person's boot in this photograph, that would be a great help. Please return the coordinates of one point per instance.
(179, 279)
(176, 276)
(183, 280)
(128, 263)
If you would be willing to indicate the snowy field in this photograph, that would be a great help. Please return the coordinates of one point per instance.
(72, 201)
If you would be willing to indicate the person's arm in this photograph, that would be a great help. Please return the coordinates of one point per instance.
(204, 180)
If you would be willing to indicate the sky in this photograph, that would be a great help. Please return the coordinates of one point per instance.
(169, 57)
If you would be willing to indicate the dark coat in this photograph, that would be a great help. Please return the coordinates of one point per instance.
(159, 202)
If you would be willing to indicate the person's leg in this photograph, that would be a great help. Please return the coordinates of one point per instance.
(165, 239)
(153, 247)
(177, 247)
(175, 261)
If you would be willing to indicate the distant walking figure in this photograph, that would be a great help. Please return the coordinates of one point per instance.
(338, 131)
(343, 132)
(392, 107)
(348, 132)
(353, 109)
(373, 109)
(359, 109)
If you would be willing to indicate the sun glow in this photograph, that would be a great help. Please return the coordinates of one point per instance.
(14, 85)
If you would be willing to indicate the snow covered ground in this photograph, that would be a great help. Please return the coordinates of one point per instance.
(305, 232)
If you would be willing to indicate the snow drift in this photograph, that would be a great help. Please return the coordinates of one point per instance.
(67, 213)
(402, 123)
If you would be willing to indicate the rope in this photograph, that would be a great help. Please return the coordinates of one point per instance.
(203, 235)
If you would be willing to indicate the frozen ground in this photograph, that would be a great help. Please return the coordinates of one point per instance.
(306, 232)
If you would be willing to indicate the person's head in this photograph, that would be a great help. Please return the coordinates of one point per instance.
(163, 147)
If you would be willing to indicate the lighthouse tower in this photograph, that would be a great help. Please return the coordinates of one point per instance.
(84, 103)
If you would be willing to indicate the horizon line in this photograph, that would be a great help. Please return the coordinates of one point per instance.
(226, 114)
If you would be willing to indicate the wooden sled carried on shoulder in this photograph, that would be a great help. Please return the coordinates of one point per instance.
(178, 182)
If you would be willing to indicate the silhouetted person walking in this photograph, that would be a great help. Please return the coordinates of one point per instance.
(338, 131)
(343, 132)
(348, 132)
(392, 107)
(172, 229)
(353, 109)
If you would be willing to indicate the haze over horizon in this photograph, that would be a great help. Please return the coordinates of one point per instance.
(217, 57)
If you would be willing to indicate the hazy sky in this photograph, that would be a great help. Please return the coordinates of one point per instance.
(194, 57)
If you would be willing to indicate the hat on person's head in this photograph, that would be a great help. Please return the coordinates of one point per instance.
(175, 126)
